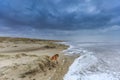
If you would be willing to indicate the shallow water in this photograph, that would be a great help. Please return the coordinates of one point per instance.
(97, 61)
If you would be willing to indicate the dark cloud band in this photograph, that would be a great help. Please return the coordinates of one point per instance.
(59, 14)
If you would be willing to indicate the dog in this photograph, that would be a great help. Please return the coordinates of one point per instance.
(54, 58)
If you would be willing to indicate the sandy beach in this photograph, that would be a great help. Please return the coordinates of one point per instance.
(28, 59)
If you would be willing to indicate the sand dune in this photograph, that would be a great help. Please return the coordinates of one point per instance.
(27, 59)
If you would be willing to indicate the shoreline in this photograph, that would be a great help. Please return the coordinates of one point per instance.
(29, 56)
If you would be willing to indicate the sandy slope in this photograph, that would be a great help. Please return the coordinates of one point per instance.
(25, 60)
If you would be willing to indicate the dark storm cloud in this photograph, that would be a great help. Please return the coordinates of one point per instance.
(60, 14)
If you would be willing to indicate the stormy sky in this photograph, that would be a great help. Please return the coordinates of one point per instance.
(81, 20)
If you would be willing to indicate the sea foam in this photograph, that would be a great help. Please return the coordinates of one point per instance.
(88, 67)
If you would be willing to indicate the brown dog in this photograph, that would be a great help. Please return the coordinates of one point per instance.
(55, 58)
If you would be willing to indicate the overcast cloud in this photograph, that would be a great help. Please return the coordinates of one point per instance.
(60, 19)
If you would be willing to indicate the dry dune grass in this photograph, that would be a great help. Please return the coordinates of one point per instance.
(48, 44)
(41, 64)
(25, 40)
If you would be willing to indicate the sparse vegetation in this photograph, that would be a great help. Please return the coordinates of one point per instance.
(23, 54)
(20, 55)
(41, 64)
(25, 40)
(53, 45)
(49, 44)
(1, 55)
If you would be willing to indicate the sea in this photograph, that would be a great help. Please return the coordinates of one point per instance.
(96, 61)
